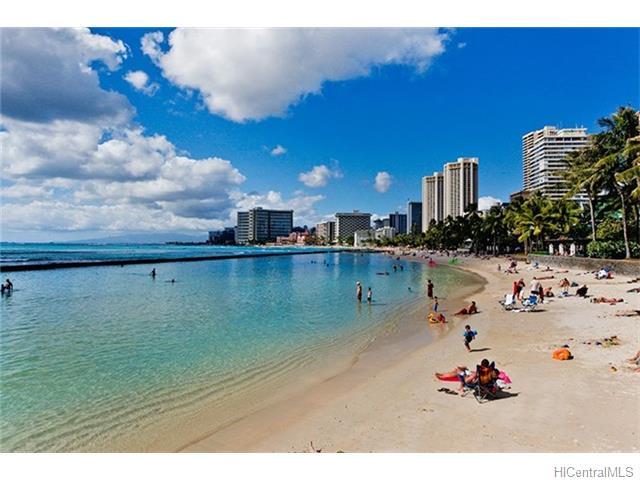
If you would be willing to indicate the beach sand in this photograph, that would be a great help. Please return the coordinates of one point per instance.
(388, 401)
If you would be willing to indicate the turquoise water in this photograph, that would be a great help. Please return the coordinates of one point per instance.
(36, 253)
(106, 358)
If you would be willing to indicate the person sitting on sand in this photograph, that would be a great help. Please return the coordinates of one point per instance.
(435, 317)
(564, 284)
(603, 273)
(582, 291)
(471, 309)
(610, 301)
(548, 293)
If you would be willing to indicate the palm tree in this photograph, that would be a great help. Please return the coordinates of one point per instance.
(616, 159)
(532, 221)
(581, 179)
(494, 227)
(565, 215)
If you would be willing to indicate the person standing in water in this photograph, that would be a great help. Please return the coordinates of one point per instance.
(359, 291)
(429, 289)
(8, 286)
(369, 295)
(153, 273)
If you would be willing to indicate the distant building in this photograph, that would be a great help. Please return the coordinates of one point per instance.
(222, 237)
(347, 223)
(521, 195)
(378, 223)
(363, 238)
(460, 186)
(385, 232)
(432, 199)
(414, 217)
(260, 225)
(326, 232)
(296, 238)
(386, 222)
(398, 221)
(544, 154)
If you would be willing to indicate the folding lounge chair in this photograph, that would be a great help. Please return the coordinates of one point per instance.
(509, 302)
(529, 304)
(485, 386)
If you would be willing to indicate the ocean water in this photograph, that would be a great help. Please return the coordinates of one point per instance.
(37, 253)
(109, 359)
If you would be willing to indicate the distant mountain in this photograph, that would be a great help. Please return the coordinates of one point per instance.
(145, 238)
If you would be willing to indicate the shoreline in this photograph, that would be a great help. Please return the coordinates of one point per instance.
(406, 333)
(588, 404)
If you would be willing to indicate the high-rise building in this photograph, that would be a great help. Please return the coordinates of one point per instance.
(432, 199)
(378, 223)
(414, 216)
(262, 225)
(398, 221)
(460, 186)
(347, 223)
(544, 159)
(326, 231)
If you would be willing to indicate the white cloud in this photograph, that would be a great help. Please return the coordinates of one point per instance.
(302, 205)
(278, 150)
(150, 45)
(252, 74)
(462, 44)
(319, 176)
(485, 203)
(47, 75)
(383, 182)
(140, 81)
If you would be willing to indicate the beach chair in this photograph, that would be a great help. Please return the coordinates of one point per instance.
(485, 387)
(509, 302)
(529, 304)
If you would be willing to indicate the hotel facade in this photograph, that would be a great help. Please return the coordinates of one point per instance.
(451, 192)
(543, 159)
(347, 223)
(261, 225)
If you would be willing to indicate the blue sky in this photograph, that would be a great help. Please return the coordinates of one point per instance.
(470, 92)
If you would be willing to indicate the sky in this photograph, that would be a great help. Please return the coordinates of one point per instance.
(113, 131)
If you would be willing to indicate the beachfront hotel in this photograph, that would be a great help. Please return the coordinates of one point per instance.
(262, 225)
(432, 199)
(326, 231)
(398, 221)
(414, 216)
(347, 223)
(543, 159)
(451, 192)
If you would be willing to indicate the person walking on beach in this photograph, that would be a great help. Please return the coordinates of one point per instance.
(435, 304)
(468, 335)
(359, 291)
(429, 289)
(369, 295)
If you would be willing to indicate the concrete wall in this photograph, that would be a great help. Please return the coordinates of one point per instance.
(621, 267)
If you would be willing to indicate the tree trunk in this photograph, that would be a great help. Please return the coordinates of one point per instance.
(593, 219)
(624, 224)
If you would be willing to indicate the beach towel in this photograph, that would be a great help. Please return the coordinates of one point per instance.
(562, 354)
(504, 377)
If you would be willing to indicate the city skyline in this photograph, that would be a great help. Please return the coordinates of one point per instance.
(139, 143)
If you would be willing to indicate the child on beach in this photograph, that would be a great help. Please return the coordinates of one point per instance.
(468, 335)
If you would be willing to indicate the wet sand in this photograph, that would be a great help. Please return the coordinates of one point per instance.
(387, 401)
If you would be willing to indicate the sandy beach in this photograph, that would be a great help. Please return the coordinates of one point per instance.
(388, 401)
